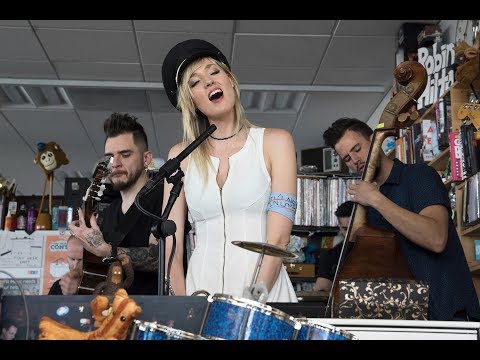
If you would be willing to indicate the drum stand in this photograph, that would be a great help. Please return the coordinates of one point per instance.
(263, 249)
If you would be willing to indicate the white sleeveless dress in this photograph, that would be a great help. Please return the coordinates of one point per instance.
(235, 212)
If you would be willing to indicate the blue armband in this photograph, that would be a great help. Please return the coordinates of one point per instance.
(284, 204)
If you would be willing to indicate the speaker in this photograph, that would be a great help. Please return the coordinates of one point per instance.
(325, 159)
(75, 190)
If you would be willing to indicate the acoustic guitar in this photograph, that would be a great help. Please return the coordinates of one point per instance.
(94, 269)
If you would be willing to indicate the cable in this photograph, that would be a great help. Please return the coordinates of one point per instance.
(24, 301)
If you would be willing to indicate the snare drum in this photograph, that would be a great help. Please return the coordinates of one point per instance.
(143, 330)
(232, 318)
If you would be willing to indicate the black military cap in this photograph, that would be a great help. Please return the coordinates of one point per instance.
(179, 57)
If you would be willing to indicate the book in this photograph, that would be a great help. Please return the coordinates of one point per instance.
(456, 156)
(430, 140)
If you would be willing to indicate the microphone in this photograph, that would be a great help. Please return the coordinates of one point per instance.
(173, 164)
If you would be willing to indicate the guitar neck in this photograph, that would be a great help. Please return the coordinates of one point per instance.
(88, 209)
(94, 270)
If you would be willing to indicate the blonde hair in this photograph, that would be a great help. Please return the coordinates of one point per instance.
(195, 122)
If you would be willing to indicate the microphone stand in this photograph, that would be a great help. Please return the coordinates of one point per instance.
(163, 228)
(168, 227)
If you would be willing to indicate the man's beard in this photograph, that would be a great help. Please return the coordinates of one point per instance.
(132, 179)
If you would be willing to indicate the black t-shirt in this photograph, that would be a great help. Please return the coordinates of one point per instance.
(144, 283)
(327, 260)
(55, 289)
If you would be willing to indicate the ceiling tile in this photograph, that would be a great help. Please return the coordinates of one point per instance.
(109, 100)
(375, 28)
(277, 50)
(296, 27)
(98, 71)
(355, 77)
(15, 23)
(361, 52)
(84, 24)
(185, 26)
(20, 44)
(274, 75)
(26, 69)
(89, 45)
(155, 46)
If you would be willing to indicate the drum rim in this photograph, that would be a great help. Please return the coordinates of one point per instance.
(310, 323)
(252, 304)
(169, 330)
(347, 334)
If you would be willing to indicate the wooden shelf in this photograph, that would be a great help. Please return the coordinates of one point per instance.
(430, 111)
(325, 175)
(303, 279)
(314, 229)
(441, 160)
(471, 230)
(475, 267)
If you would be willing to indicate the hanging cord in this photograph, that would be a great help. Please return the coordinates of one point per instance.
(24, 301)
(174, 242)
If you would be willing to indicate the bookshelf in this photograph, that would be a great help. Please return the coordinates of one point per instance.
(459, 94)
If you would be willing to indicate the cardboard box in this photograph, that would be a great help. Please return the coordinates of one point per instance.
(300, 270)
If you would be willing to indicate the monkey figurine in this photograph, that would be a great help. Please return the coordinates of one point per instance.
(50, 156)
(120, 275)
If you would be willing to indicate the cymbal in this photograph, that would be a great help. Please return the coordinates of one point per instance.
(265, 248)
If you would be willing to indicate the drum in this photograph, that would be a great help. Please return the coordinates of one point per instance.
(143, 330)
(315, 331)
(232, 318)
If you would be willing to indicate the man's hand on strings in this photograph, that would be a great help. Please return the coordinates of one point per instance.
(363, 192)
(91, 237)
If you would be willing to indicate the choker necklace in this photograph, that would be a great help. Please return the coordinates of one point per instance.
(228, 137)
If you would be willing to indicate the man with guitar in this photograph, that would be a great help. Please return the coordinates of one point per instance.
(126, 145)
(411, 201)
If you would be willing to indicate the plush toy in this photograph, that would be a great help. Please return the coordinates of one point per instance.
(469, 56)
(113, 324)
(50, 157)
(120, 275)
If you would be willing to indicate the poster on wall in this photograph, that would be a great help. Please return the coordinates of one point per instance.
(20, 262)
(55, 260)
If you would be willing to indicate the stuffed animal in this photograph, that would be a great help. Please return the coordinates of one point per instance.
(50, 157)
(469, 56)
(120, 275)
(113, 324)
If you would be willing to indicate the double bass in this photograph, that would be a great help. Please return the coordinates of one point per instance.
(376, 253)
